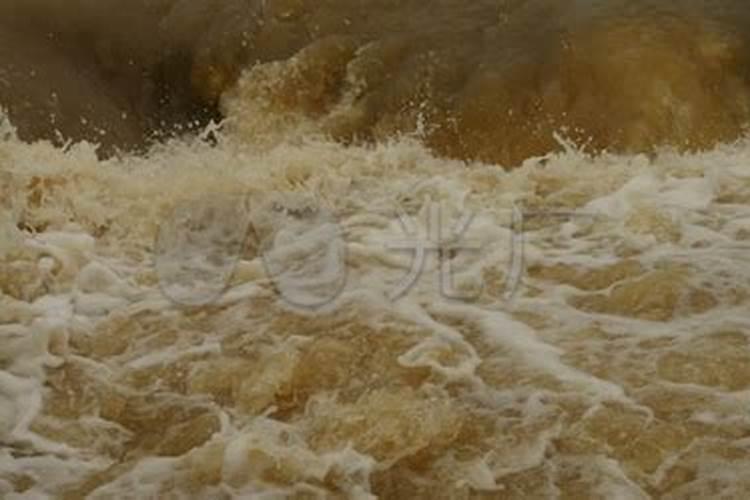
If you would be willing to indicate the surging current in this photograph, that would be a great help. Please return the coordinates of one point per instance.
(374, 249)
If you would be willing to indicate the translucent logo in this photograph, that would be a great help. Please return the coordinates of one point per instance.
(445, 237)
(302, 248)
(198, 246)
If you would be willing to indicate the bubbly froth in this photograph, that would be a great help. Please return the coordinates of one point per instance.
(329, 298)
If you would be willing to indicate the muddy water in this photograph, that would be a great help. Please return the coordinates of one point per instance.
(498, 81)
(495, 81)
(240, 312)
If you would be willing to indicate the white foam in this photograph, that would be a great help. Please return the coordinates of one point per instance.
(87, 281)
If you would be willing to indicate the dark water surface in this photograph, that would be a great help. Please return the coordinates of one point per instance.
(488, 79)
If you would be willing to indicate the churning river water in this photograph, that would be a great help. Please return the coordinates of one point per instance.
(372, 249)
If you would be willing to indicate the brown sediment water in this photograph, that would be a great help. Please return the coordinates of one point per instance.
(347, 292)
(496, 81)
(502, 81)
(74, 71)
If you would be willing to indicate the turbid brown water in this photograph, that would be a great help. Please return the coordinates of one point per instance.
(492, 80)
(156, 333)
(72, 71)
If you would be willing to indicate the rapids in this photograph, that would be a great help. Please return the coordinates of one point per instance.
(374, 249)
